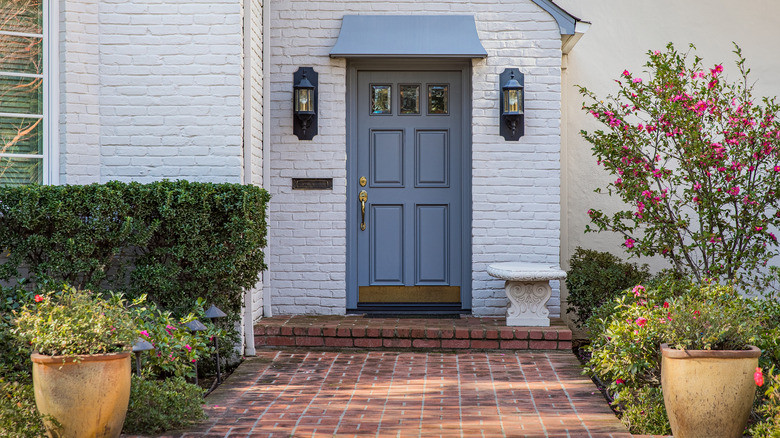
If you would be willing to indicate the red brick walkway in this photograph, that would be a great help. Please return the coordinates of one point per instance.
(381, 393)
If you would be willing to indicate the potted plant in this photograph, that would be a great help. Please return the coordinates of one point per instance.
(81, 361)
(708, 364)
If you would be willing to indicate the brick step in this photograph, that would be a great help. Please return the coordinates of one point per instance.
(356, 331)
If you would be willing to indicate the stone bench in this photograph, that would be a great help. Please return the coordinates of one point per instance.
(528, 289)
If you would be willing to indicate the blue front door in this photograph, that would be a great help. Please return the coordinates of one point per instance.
(409, 190)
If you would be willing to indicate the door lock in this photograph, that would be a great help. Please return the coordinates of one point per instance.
(363, 181)
(363, 198)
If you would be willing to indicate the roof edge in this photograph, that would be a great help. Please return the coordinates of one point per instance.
(567, 22)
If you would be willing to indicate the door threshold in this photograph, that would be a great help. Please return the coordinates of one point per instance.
(415, 310)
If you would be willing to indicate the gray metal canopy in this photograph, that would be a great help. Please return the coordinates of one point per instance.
(453, 36)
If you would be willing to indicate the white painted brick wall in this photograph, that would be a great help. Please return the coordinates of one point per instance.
(256, 160)
(79, 92)
(152, 89)
(516, 185)
(170, 90)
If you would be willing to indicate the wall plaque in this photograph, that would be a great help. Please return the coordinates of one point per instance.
(312, 183)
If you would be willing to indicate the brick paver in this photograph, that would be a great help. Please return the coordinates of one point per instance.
(417, 394)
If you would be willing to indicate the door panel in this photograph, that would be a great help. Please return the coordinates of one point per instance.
(387, 158)
(386, 223)
(410, 251)
(432, 159)
(431, 244)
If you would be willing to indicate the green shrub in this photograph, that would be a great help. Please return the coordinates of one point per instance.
(642, 410)
(174, 241)
(15, 357)
(19, 417)
(156, 406)
(595, 278)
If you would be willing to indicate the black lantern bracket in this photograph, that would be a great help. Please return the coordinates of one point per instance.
(512, 104)
(305, 103)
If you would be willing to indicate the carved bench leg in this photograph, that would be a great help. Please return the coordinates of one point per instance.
(528, 303)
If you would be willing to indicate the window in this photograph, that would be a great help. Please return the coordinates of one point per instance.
(24, 92)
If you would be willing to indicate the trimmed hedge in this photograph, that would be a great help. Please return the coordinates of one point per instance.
(172, 240)
(595, 278)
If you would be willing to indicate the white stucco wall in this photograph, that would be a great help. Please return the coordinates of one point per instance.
(516, 185)
(621, 34)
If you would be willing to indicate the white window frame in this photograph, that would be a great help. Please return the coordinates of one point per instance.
(50, 76)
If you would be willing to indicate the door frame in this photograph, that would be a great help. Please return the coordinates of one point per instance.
(405, 64)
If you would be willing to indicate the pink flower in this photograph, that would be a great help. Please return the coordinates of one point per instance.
(630, 242)
(145, 333)
(620, 381)
(777, 168)
(193, 361)
(759, 228)
(641, 321)
(637, 80)
(187, 346)
(733, 191)
(626, 73)
(758, 377)
(638, 289)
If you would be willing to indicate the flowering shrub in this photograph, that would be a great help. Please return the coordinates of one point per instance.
(770, 426)
(175, 347)
(697, 159)
(73, 322)
(626, 335)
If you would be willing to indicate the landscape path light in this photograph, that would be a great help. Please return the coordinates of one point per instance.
(139, 347)
(195, 326)
(213, 313)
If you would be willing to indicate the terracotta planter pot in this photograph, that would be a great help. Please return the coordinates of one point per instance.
(708, 393)
(88, 398)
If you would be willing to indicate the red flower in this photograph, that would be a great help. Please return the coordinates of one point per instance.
(758, 377)
(38, 298)
(666, 305)
(620, 381)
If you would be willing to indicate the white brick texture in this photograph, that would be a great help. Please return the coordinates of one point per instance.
(170, 90)
(79, 92)
(516, 185)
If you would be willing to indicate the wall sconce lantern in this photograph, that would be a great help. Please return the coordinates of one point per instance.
(512, 125)
(305, 103)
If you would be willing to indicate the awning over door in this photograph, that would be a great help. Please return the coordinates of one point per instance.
(409, 36)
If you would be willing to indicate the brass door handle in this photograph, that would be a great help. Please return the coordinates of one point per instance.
(363, 198)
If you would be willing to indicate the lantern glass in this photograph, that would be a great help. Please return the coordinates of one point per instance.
(513, 101)
(304, 101)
